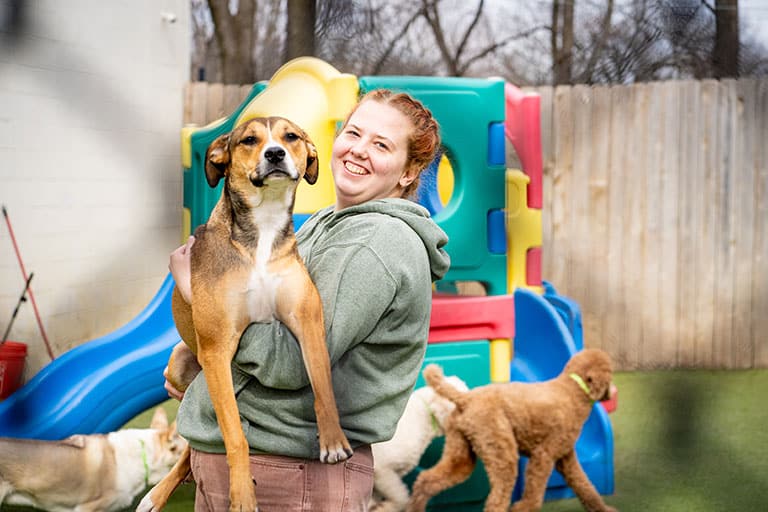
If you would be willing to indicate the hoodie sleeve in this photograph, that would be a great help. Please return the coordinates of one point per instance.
(356, 294)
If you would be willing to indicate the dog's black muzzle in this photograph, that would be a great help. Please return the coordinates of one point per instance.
(277, 166)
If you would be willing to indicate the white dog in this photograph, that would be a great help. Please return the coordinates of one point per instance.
(88, 473)
(422, 421)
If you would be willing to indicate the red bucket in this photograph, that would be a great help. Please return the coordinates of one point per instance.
(13, 356)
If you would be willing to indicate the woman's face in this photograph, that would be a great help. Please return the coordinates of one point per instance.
(369, 155)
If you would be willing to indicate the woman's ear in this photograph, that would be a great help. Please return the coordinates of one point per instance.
(408, 176)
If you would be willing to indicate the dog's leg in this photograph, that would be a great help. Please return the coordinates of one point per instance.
(500, 465)
(299, 307)
(214, 354)
(455, 466)
(393, 491)
(540, 466)
(157, 497)
(574, 475)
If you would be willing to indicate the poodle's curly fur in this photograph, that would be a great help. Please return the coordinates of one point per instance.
(421, 422)
(497, 422)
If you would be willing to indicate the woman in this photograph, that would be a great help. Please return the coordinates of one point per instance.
(372, 256)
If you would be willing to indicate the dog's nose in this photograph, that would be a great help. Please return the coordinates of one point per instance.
(274, 154)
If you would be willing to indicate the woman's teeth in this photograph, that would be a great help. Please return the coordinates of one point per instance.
(354, 169)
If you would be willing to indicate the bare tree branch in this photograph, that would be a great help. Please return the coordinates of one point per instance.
(469, 30)
(391, 46)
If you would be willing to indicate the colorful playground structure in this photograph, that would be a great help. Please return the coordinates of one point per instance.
(520, 330)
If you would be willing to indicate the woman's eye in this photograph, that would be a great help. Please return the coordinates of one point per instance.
(249, 141)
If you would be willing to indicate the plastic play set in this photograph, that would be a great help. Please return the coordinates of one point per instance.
(522, 330)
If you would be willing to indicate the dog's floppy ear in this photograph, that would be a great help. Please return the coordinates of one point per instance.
(216, 159)
(312, 164)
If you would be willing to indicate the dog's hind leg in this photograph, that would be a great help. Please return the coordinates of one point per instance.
(455, 466)
(157, 497)
(574, 475)
(540, 466)
(217, 369)
(499, 453)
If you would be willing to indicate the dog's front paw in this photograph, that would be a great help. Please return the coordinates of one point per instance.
(242, 498)
(146, 505)
(335, 452)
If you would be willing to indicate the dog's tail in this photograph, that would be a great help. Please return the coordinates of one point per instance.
(433, 374)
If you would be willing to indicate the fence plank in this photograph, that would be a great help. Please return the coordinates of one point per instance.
(576, 221)
(548, 164)
(215, 105)
(724, 248)
(743, 209)
(634, 177)
(198, 97)
(668, 271)
(652, 342)
(686, 284)
(760, 254)
(561, 185)
(702, 274)
(598, 219)
(615, 313)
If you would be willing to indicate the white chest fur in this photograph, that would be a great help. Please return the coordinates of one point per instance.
(263, 285)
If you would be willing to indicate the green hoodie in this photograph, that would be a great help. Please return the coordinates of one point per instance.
(373, 265)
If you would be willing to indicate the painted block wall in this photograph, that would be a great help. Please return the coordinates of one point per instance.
(90, 168)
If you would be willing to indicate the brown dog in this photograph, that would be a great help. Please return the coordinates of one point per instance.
(246, 268)
(497, 422)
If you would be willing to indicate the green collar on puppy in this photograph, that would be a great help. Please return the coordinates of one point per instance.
(146, 464)
(583, 385)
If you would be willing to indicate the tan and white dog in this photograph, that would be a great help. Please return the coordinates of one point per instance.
(421, 422)
(88, 473)
(246, 268)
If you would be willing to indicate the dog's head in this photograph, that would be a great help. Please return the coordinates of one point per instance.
(594, 367)
(167, 448)
(262, 151)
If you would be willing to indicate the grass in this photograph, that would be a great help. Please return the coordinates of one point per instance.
(684, 440)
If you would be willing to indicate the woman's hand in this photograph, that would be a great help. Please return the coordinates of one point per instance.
(180, 266)
(172, 391)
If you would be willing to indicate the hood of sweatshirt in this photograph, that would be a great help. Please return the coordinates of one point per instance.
(415, 216)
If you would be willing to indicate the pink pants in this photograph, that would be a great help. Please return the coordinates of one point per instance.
(286, 484)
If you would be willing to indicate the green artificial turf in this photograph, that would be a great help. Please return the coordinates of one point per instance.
(684, 441)
(689, 441)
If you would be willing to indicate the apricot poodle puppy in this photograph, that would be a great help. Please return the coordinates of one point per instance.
(498, 422)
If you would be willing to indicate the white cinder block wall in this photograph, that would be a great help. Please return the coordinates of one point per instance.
(90, 168)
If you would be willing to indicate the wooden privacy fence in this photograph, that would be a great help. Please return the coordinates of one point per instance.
(655, 215)
(655, 218)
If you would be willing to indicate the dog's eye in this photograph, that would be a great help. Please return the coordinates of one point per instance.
(290, 136)
(249, 140)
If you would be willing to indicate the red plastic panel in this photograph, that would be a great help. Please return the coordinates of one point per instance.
(463, 317)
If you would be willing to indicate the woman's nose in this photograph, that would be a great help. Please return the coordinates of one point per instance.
(359, 149)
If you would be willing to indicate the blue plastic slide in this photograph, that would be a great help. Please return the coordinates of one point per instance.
(100, 385)
(544, 342)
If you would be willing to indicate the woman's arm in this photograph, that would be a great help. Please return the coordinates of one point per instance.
(180, 266)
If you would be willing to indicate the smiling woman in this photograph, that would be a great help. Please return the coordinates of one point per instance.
(373, 257)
